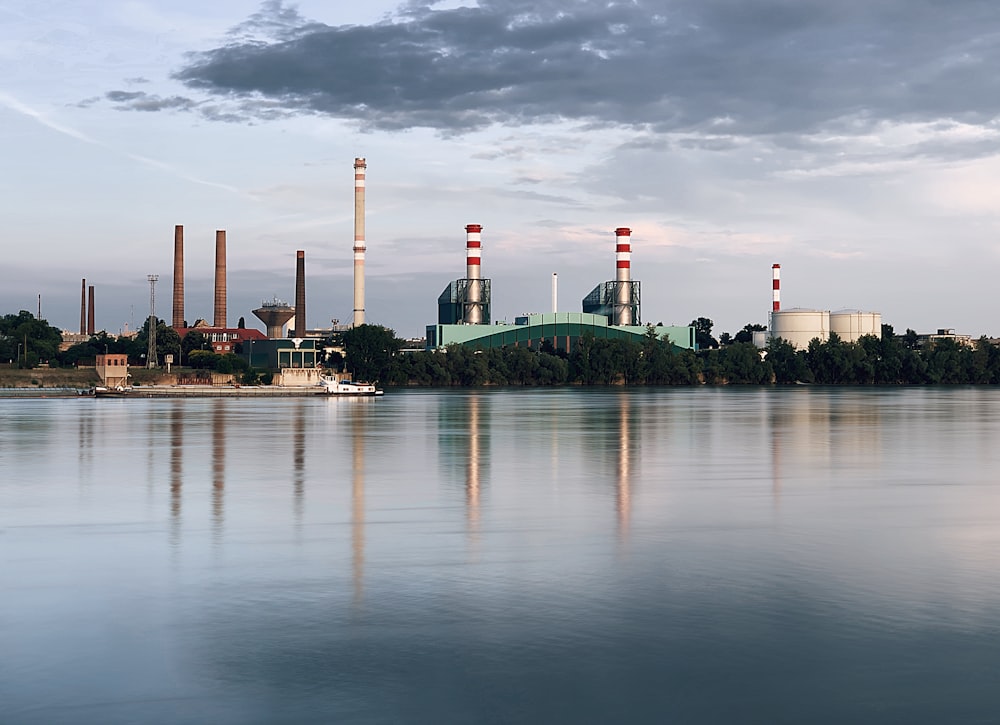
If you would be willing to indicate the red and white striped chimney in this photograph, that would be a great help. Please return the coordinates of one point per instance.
(473, 257)
(776, 287)
(623, 263)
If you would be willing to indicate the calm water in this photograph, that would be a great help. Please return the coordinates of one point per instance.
(555, 556)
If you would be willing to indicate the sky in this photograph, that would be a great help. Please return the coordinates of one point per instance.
(854, 143)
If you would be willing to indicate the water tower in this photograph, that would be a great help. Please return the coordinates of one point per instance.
(274, 315)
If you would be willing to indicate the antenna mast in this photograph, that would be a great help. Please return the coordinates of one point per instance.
(151, 351)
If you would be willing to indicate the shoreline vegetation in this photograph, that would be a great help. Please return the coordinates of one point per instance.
(374, 353)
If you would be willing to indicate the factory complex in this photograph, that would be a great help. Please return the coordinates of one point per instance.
(612, 311)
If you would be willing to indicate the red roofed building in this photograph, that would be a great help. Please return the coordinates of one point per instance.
(224, 339)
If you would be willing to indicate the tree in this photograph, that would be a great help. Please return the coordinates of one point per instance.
(746, 334)
(86, 352)
(25, 338)
(703, 333)
(202, 359)
(193, 340)
(168, 342)
(788, 364)
(369, 351)
(742, 365)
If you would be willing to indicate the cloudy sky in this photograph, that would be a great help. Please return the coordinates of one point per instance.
(855, 143)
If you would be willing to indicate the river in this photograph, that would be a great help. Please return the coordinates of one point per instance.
(690, 555)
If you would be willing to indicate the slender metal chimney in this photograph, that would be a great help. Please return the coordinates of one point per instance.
(359, 241)
(300, 293)
(83, 306)
(90, 310)
(555, 292)
(473, 258)
(178, 312)
(623, 255)
(776, 288)
(220, 278)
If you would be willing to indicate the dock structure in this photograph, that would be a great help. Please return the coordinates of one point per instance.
(213, 391)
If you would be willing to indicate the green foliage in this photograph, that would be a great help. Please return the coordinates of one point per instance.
(27, 341)
(251, 376)
(703, 333)
(369, 351)
(168, 342)
(202, 359)
(193, 340)
(746, 334)
(85, 353)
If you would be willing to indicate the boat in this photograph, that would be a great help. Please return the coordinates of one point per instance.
(333, 386)
(115, 391)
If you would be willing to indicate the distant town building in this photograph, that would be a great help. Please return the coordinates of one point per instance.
(223, 340)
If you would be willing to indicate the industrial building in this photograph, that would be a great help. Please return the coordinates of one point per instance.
(799, 326)
(611, 311)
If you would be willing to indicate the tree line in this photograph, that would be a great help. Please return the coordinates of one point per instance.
(372, 353)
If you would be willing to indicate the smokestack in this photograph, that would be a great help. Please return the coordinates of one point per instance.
(776, 287)
(90, 310)
(623, 256)
(473, 257)
(300, 293)
(220, 278)
(178, 313)
(359, 242)
(83, 306)
(555, 292)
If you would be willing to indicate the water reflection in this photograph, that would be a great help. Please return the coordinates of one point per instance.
(360, 602)
(478, 447)
(298, 458)
(219, 416)
(176, 470)
(623, 469)
(85, 440)
(464, 450)
(359, 420)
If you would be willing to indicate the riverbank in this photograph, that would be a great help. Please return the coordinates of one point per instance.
(78, 378)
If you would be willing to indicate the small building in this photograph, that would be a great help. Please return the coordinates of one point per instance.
(225, 339)
(72, 338)
(943, 333)
(112, 369)
(293, 361)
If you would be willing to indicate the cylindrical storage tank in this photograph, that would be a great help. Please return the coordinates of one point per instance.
(799, 326)
(853, 324)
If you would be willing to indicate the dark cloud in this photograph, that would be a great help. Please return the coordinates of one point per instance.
(727, 66)
(141, 101)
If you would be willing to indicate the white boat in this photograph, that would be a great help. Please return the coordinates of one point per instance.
(332, 386)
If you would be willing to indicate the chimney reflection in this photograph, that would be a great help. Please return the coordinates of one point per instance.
(358, 425)
(218, 467)
(472, 470)
(176, 470)
(623, 468)
(85, 432)
(299, 460)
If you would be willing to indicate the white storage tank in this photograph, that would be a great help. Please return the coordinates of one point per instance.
(850, 325)
(799, 326)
